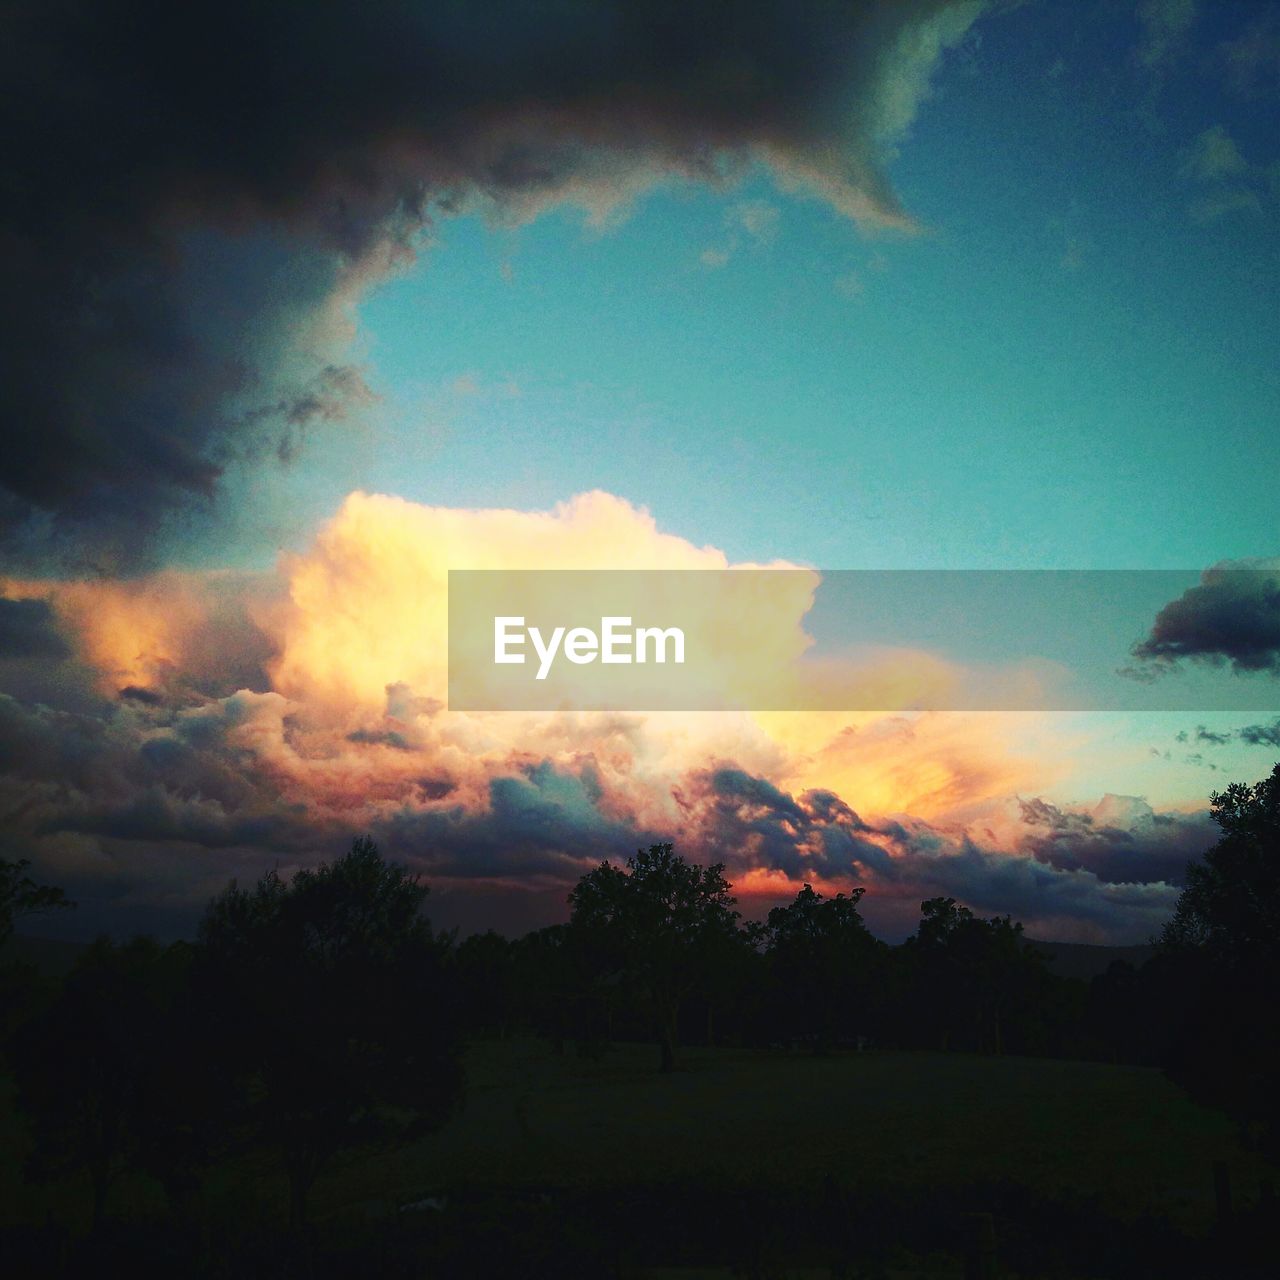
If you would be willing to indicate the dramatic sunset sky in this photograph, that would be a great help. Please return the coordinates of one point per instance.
(306, 308)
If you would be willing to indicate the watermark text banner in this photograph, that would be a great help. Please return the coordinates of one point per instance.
(874, 640)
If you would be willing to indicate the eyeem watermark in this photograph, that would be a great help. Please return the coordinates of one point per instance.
(786, 639)
(616, 643)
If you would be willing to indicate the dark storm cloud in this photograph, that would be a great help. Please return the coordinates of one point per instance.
(1044, 897)
(193, 194)
(542, 822)
(1261, 735)
(1069, 869)
(43, 745)
(28, 629)
(1151, 847)
(158, 815)
(99, 765)
(1232, 616)
(148, 697)
(384, 737)
(746, 821)
(38, 662)
(139, 822)
(171, 801)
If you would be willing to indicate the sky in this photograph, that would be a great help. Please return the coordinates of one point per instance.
(306, 309)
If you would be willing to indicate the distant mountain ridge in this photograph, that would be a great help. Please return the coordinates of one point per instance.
(1088, 960)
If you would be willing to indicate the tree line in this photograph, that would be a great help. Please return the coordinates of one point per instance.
(325, 1013)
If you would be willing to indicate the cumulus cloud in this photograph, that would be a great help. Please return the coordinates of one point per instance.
(365, 607)
(186, 635)
(199, 194)
(28, 629)
(231, 722)
(1108, 874)
(1231, 616)
(38, 656)
(1121, 840)
(935, 765)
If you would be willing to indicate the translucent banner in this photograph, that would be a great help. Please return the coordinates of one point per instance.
(807, 639)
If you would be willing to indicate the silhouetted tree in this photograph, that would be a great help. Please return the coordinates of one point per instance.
(331, 995)
(936, 981)
(655, 923)
(975, 980)
(825, 966)
(1230, 906)
(1221, 957)
(21, 896)
(21, 984)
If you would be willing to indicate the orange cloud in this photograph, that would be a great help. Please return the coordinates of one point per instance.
(367, 604)
(146, 632)
(348, 641)
(278, 713)
(936, 765)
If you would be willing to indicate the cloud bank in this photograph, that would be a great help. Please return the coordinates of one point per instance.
(186, 728)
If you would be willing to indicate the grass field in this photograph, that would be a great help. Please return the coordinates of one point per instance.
(535, 1120)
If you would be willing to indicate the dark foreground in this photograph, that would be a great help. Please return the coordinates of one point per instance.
(872, 1164)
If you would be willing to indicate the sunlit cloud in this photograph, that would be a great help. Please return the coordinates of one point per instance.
(269, 716)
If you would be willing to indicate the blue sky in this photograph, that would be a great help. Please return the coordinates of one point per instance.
(1071, 365)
